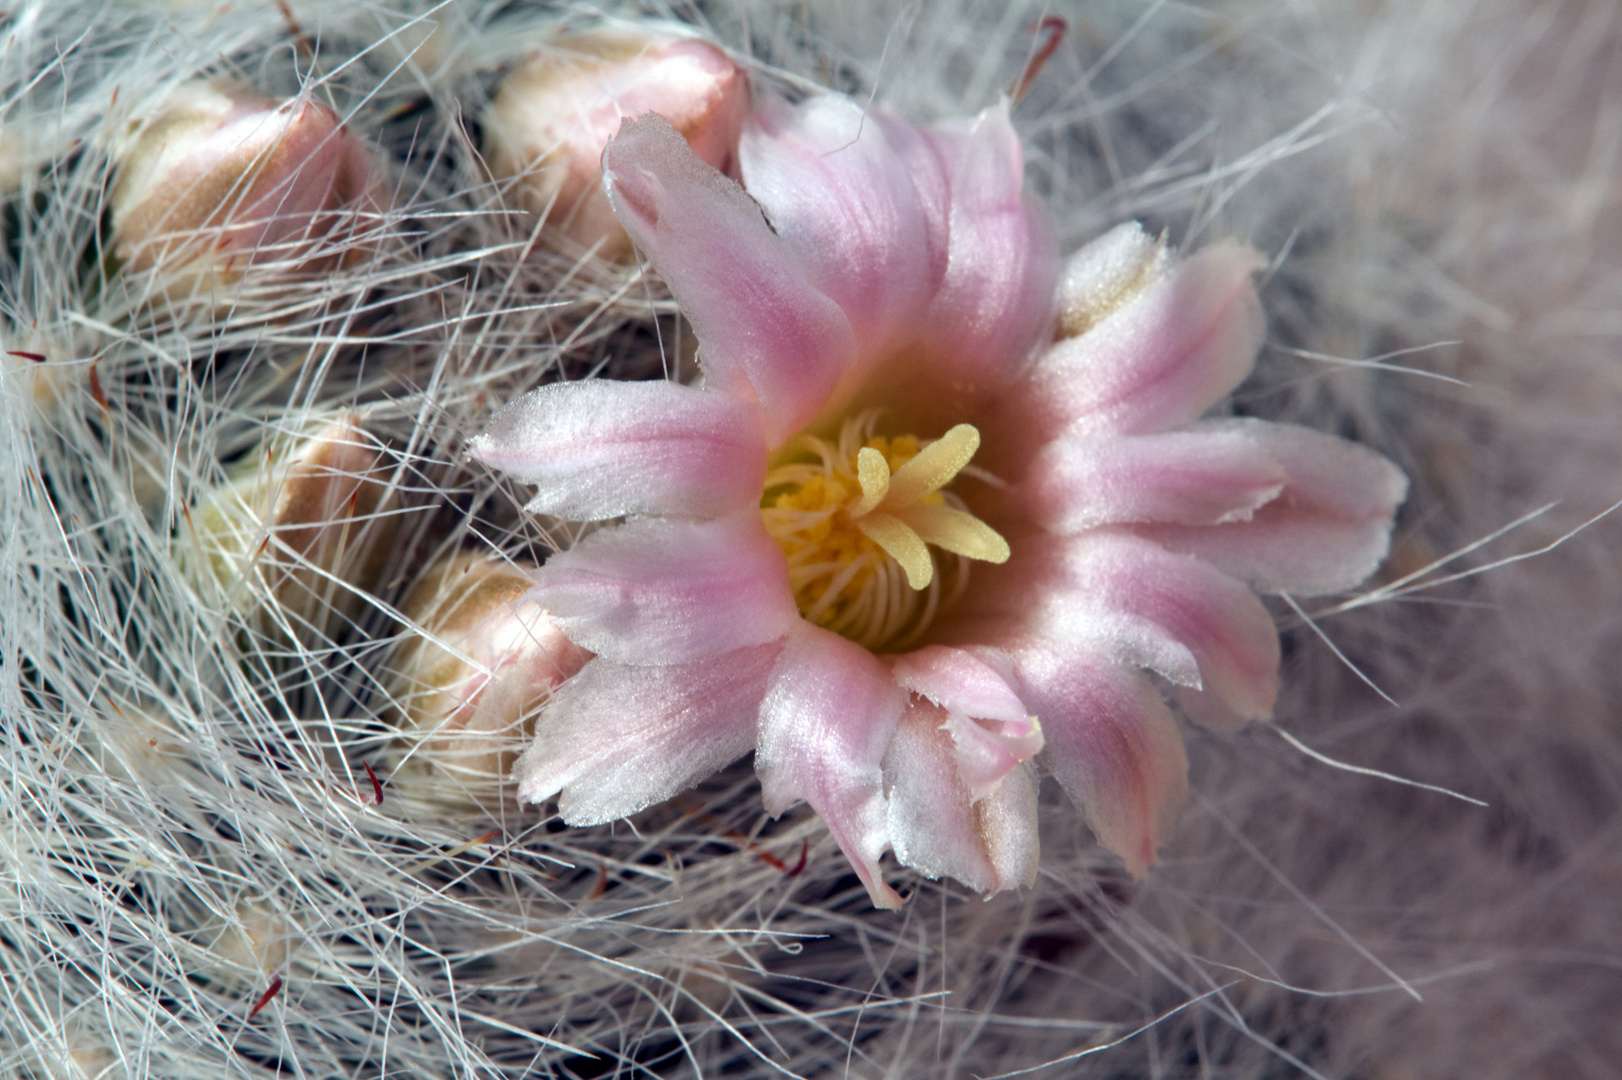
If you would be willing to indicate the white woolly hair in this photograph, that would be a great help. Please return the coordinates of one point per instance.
(198, 879)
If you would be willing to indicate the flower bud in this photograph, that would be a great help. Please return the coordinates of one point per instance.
(302, 530)
(557, 110)
(222, 179)
(470, 676)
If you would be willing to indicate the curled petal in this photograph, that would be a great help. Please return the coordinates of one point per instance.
(828, 717)
(616, 739)
(1161, 607)
(1111, 742)
(1206, 474)
(988, 752)
(1325, 532)
(846, 202)
(973, 684)
(765, 332)
(598, 449)
(937, 828)
(1159, 361)
(655, 591)
(971, 688)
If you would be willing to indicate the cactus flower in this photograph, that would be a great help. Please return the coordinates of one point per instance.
(938, 509)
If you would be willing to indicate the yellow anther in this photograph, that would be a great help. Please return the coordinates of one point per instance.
(935, 466)
(856, 521)
(874, 473)
(902, 544)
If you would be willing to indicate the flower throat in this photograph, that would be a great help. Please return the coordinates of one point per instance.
(865, 523)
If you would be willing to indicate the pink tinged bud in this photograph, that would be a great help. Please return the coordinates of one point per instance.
(222, 179)
(473, 670)
(302, 532)
(556, 112)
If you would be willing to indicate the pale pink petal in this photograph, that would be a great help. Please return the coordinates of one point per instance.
(962, 681)
(932, 821)
(1007, 819)
(988, 751)
(1208, 710)
(998, 301)
(1208, 473)
(764, 330)
(616, 739)
(827, 719)
(1112, 744)
(1327, 530)
(1158, 362)
(599, 449)
(654, 591)
(1154, 604)
(844, 200)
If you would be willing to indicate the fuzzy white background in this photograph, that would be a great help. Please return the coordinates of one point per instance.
(187, 818)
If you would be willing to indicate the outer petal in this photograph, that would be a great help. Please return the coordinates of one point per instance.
(1008, 822)
(1112, 743)
(827, 719)
(1161, 360)
(764, 329)
(998, 300)
(1327, 530)
(845, 202)
(1156, 607)
(616, 739)
(654, 592)
(599, 449)
(1211, 472)
(934, 824)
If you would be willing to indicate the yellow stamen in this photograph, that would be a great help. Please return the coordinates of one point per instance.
(856, 521)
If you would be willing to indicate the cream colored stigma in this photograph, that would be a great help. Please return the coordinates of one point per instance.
(857, 520)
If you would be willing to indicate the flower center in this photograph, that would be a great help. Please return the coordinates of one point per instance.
(857, 520)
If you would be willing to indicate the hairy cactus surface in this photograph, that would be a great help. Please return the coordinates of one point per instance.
(378, 375)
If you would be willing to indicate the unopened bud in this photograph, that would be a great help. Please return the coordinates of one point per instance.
(303, 530)
(558, 109)
(222, 179)
(473, 670)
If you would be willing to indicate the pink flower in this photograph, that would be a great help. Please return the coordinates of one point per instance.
(901, 541)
